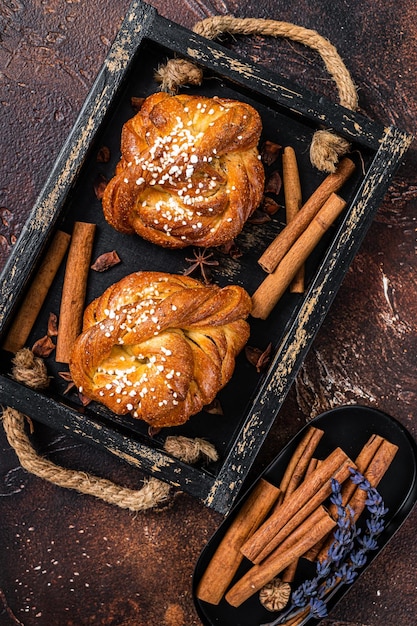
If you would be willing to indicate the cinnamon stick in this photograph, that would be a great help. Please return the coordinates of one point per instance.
(313, 464)
(293, 202)
(300, 460)
(273, 287)
(227, 558)
(378, 465)
(376, 469)
(286, 238)
(288, 574)
(293, 538)
(313, 528)
(300, 515)
(298, 463)
(362, 462)
(299, 618)
(26, 316)
(74, 289)
(308, 496)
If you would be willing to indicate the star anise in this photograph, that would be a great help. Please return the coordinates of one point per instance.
(201, 260)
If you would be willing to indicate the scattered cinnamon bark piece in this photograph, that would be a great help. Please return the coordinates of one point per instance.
(100, 185)
(105, 261)
(214, 408)
(275, 284)
(6, 216)
(74, 289)
(231, 248)
(154, 430)
(270, 152)
(43, 347)
(269, 205)
(38, 290)
(227, 558)
(273, 183)
(257, 357)
(286, 238)
(85, 401)
(67, 377)
(52, 325)
(136, 103)
(103, 155)
(259, 217)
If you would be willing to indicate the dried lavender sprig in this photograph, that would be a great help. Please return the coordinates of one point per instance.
(343, 558)
(304, 595)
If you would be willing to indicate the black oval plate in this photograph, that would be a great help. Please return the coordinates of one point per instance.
(348, 427)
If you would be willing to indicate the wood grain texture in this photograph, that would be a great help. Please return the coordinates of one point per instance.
(68, 559)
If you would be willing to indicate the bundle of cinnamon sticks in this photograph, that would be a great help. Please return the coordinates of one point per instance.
(79, 246)
(306, 224)
(278, 525)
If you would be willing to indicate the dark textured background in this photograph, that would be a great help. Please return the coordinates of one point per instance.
(67, 559)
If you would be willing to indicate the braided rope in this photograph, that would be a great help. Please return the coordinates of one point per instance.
(212, 27)
(326, 147)
(31, 371)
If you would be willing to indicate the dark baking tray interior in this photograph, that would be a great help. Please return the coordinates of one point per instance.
(281, 124)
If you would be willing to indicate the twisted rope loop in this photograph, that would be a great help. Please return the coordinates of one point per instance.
(31, 371)
(212, 27)
(326, 147)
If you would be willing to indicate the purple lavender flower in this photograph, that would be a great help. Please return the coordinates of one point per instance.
(318, 608)
(343, 558)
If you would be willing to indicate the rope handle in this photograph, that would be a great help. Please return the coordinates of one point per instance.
(31, 371)
(326, 147)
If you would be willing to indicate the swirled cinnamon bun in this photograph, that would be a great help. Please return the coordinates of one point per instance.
(160, 346)
(190, 172)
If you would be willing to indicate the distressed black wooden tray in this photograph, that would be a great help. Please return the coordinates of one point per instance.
(251, 401)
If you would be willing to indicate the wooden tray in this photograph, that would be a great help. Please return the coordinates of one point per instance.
(251, 401)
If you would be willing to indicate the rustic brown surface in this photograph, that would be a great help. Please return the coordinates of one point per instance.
(68, 559)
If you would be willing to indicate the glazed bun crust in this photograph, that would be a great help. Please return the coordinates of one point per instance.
(160, 346)
(189, 173)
